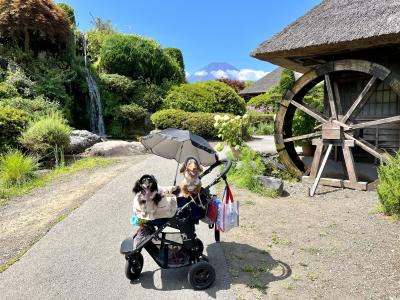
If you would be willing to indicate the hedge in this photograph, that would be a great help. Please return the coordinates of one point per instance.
(138, 57)
(197, 122)
(208, 96)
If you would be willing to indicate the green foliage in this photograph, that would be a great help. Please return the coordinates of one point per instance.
(232, 129)
(262, 128)
(24, 86)
(132, 112)
(16, 169)
(12, 122)
(303, 123)
(150, 95)
(95, 37)
(245, 170)
(46, 134)
(176, 55)
(262, 100)
(138, 58)
(389, 186)
(34, 108)
(121, 85)
(69, 11)
(7, 90)
(208, 96)
(286, 81)
(198, 122)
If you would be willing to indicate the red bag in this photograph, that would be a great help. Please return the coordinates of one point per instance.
(212, 212)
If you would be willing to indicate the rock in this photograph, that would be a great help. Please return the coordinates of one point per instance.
(271, 183)
(81, 140)
(116, 148)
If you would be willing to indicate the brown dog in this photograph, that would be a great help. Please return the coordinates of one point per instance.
(191, 184)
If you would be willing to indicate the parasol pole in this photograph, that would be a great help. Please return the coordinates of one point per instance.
(177, 167)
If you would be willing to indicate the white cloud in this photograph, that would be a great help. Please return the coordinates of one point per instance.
(200, 73)
(220, 74)
(187, 74)
(247, 74)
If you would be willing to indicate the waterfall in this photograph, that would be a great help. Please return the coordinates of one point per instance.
(95, 109)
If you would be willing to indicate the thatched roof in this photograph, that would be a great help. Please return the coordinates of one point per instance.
(264, 84)
(334, 26)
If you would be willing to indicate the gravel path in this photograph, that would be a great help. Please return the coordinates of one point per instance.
(332, 246)
(79, 258)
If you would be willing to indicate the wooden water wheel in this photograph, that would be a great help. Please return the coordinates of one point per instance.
(336, 127)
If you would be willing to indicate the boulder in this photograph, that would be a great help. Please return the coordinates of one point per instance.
(271, 183)
(116, 148)
(81, 140)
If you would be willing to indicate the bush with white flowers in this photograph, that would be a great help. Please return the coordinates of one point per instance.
(231, 130)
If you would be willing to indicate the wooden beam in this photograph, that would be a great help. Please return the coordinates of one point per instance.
(361, 99)
(321, 169)
(341, 143)
(376, 122)
(337, 98)
(308, 110)
(316, 161)
(349, 160)
(371, 149)
(331, 98)
(302, 137)
(359, 185)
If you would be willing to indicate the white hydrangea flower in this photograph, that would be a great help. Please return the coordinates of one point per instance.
(226, 118)
(217, 117)
(237, 147)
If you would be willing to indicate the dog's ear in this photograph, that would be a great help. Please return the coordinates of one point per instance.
(137, 187)
(183, 168)
(154, 186)
(157, 198)
(199, 167)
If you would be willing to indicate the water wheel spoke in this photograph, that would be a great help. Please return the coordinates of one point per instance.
(361, 99)
(302, 137)
(337, 98)
(376, 122)
(331, 98)
(309, 111)
(368, 147)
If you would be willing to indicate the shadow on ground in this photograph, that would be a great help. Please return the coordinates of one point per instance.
(253, 267)
(247, 265)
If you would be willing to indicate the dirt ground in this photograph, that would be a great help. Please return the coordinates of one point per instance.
(26, 219)
(332, 246)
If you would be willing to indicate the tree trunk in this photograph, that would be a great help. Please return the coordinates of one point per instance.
(27, 42)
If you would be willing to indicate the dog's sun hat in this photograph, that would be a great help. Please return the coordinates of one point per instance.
(189, 158)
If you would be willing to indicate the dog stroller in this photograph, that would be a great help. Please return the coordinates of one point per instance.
(180, 248)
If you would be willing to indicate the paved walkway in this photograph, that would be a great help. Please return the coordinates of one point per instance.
(79, 258)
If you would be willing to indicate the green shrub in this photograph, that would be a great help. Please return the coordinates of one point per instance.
(132, 112)
(232, 129)
(150, 95)
(122, 85)
(138, 57)
(198, 122)
(12, 122)
(208, 96)
(262, 100)
(262, 129)
(7, 90)
(286, 81)
(16, 169)
(47, 134)
(34, 108)
(25, 86)
(176, 54)
(389, 186)
(256, 118)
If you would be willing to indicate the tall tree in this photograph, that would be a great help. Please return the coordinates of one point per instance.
(21, 19)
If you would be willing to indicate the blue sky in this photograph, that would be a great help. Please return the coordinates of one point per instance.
(206, 31)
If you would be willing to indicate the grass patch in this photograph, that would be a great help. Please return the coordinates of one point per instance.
(42, 180)
(18, 256)
(288, 286)
(257, 285)
(303, 264)
(248, 268)
(311, 250)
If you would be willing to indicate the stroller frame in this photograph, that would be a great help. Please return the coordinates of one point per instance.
(201, 274)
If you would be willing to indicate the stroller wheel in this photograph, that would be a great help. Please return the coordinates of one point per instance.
(201, 275)
(199, 245)
(134, 266)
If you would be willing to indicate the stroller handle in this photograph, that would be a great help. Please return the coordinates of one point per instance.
(226, 162)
